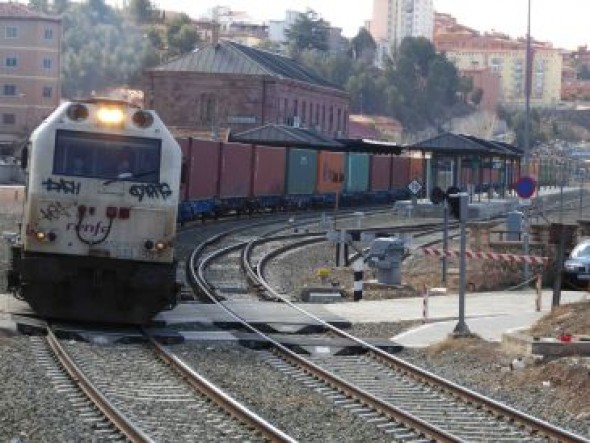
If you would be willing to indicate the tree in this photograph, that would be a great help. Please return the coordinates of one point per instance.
(363, 46)
(100, 49)
(465, 86)
(477, 96)
(141, 11)
(181, 36)
(39, 5)
(309, 31)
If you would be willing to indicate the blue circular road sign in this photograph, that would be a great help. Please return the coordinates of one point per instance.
(525, 187)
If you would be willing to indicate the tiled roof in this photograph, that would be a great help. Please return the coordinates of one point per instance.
(233, 58)
(19, 10)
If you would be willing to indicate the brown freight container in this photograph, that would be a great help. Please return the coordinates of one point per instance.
(330, 172)
(380, 172)
(400, 172)
(235, 176)
(202, 168)
(269, 171)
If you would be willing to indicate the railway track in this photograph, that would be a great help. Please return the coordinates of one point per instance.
(403, 400)
(141, 392)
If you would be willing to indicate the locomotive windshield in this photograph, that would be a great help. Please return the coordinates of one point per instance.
(107, 156)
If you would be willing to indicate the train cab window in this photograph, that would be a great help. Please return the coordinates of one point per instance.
(107, 156)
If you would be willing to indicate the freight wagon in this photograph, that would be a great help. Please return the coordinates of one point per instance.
(221, 178)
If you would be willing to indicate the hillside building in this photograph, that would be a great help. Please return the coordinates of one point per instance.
(29, 69)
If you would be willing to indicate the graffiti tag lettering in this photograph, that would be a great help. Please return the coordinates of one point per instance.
(54, 211)
(89, 228)
(61, 185)
(153, 191)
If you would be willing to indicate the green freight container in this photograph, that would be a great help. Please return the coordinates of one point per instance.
(302, 167)
(357, 173)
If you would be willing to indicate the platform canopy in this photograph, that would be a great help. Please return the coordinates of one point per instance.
(458, 144)
(291, 137)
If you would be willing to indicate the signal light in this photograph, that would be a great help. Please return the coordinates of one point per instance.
(454, 201)
(77, 112)
(142, 119)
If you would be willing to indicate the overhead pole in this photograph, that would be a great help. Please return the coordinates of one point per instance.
(527, 141)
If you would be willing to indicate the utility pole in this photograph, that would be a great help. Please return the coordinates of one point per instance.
(461, 329)
(527, 142)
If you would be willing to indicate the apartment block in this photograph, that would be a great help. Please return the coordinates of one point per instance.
(505, 58)
(393, 20)
(29, 68)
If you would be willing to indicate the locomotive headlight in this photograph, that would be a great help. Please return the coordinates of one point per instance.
(160, 245)
(142, 119)
(40, 235)
(110, 116)
(77, 112)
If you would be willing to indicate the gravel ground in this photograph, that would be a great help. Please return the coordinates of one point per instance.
(30, 408)
(556, 391)
(303, 413)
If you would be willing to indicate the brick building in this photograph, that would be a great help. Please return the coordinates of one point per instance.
(231, 86)
(29, 68)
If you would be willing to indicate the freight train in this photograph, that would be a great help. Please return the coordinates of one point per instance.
(99, 221)
(222, 178)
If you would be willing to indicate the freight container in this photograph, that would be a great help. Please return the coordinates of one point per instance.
(301, 171)
(330, 174)
(356, 175)
(269, 171)
(416, 170)
(380, 172)
(235, 176)
(400, 172)
(201, 163)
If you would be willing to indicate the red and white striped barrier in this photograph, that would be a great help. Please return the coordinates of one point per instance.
(513, 258)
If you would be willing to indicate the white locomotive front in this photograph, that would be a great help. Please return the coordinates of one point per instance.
(99, 223)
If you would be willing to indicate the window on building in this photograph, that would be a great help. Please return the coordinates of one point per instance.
(10, 62)
(317, 114)
(11, 32)
(303, 112)
(339, 120)
(9, 90)
(47, 91)
(295, 108)
(48, 34)
(8, 119)
(331, 121)
(47, 63)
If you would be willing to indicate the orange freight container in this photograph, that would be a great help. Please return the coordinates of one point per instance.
(330, 172)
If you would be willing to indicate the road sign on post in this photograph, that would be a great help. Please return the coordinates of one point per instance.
(415, 187)
(525, 187)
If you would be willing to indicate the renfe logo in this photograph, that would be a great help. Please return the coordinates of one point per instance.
(94, 229)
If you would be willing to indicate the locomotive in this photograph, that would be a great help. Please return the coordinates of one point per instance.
(96, 242)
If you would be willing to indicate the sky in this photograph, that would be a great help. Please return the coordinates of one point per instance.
(565, 23)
